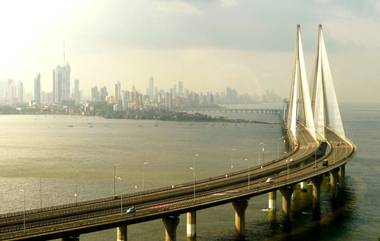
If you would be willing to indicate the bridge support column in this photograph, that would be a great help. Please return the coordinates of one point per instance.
(240, 206)
(316, 193)
(70, 237)
(303, 186)
(191, 227)
(333, 182)
(121, 233)
(272, 206)
(286, 193)
(170, 223)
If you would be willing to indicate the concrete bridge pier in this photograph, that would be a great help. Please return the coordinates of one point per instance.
(286, 193)
(191, 227)
(316, 194)
(303, 186)
(70, 237)
(333, 182)
(272, 196)
(240, 206)
(121, 233)
(170, 224)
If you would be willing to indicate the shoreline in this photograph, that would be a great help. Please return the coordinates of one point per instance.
(125, 116)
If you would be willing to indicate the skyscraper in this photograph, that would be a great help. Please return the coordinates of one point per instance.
(103, 94)
(37, 89)
(150, 90)
(76, 92)
(117, 92)
(61, 83)
(94, 94)
(180, 88)
(20, 92)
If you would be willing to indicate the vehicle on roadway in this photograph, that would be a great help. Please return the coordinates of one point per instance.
(269, 180)
(131, 210)
(325, 162)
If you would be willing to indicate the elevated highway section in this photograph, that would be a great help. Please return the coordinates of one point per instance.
(73, 217)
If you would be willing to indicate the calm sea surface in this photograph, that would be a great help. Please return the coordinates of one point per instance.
(53, 157)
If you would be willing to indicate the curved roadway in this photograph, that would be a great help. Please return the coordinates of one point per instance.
(100, 214)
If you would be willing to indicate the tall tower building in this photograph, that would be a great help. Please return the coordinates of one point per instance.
(20, 92)
(37, 89)
(180, 88)
(118, 92)
(61, 83)
(76, 92)
(103, 94)
(151, 87)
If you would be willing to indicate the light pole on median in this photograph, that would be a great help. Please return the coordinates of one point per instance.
(143, 174)
(114, 180)
(231, 158)
(194, 170)
(278, 148)
(121, 195)
(24, 221)
(194, 177)
(76, 193)
(263, 153)
(248, 174)
(40, 192)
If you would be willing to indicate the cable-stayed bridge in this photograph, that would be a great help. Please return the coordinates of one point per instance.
(317, 146)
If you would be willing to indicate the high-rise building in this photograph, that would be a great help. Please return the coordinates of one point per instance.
(94, 94)
(20, 92)
(76, 92)
(103, 94)
(117, 92)
(150, 90)
(180, 88)
(61, 83)
(11, 95)
(37, 89)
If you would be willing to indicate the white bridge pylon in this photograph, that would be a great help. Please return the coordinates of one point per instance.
(322, 111)
(300, 109)
(324, 101)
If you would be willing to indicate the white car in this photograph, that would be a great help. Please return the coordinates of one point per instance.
(269, 180)
(131, 210)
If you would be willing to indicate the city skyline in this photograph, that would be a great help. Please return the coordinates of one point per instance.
(207, 44)
(62, 92)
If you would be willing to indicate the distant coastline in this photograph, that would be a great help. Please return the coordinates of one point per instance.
(133, 114)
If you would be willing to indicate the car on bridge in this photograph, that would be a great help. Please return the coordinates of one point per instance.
(325, 162)
(131, 210)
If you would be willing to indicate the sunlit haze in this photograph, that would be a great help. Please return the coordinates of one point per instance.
(209, 45)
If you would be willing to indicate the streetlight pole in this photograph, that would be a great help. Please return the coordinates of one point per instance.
(143, 174)
(231, 158)
(278, 151)
(24, 221)
(76, 193)
(121, 204)
(278, 146)
(40, 192)
(121, 195)
(263, 153)
(114, 180)
(193, 168)
(248, 174)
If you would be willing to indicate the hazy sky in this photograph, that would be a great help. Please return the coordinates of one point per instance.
(207, 44)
